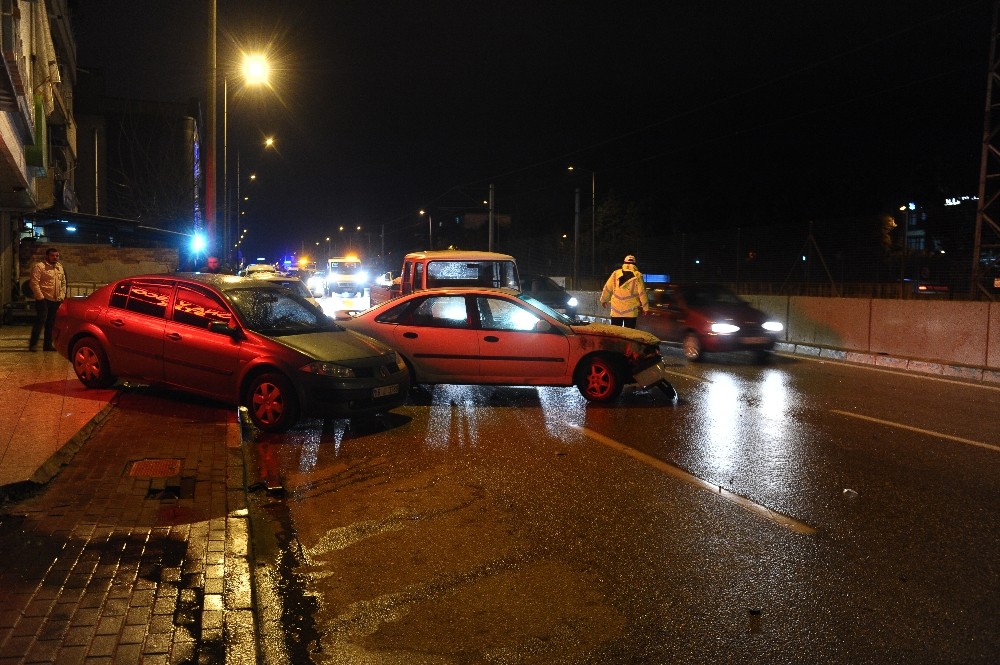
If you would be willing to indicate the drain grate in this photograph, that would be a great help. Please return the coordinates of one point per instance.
(155, 468)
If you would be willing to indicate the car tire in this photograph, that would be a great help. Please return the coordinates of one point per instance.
(692, 347)
(90, 363)
(271, 402)
(599, 379)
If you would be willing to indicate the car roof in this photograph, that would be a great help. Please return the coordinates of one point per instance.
(458, 255)
(218, 281)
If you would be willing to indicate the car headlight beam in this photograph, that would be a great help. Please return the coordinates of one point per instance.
(724, 328)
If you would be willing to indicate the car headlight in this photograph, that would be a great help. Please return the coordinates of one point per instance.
(724, 328)
(572, 302)
(772, 326)
(325, 368)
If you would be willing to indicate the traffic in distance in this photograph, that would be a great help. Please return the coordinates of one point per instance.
(332, 344)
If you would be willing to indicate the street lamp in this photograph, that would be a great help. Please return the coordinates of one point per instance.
(593, 217)
(430, 229)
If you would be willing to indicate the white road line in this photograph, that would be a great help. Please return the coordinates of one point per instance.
(779, 519)
(913, 374)
(918, 430)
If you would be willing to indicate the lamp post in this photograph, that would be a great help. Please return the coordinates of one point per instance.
(430, 229)
(593, 217)
(255, 71)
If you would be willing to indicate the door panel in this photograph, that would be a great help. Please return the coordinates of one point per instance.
(517, 346)
(194, 356)
(437, 338)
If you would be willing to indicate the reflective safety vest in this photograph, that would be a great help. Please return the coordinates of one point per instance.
(626, 291)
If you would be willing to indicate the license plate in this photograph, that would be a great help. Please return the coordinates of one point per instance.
(755, 340)
(382, 391)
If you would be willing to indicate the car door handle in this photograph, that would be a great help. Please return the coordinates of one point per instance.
(410, 335)
(174, 336)
(491, 338)
(118, 323)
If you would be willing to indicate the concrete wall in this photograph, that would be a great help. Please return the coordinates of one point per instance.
(90, 266)
(928, 334)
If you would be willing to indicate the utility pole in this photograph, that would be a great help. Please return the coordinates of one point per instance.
(210, 162)
(491, 219)
(987, 234)
(576, 240)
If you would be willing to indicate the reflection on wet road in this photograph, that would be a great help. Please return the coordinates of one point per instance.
(524, 525)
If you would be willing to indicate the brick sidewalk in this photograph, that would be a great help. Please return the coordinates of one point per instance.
(138, 550)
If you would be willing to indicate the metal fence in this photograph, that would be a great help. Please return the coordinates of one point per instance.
(855, 258)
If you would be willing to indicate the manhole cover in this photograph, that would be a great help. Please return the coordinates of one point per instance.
(155, 468)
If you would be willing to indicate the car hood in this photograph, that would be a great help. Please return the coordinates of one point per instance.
(340, 345)
(620, 332)
(730, 312)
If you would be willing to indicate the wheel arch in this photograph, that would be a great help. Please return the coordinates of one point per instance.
(265, 367)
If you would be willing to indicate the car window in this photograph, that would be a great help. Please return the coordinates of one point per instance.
(500, 314)
(701, 295)
(472, 273)
(539, 283)
(440, 312)
(275, 311)
(197, 308)
(538, 304)
(149, 298)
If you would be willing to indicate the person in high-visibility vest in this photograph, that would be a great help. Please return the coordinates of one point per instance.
(625, 292)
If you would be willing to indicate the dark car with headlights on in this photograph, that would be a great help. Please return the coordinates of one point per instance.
(239, 340)
(547, 290)
(708, 318)
(494, 336)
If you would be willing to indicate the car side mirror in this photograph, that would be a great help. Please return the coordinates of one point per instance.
(342, 315)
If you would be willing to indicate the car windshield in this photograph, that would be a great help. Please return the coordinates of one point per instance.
(294, 285)
(559, 316)
(699, 295)
(276, 312)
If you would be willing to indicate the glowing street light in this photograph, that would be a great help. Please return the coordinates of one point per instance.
(256, 69)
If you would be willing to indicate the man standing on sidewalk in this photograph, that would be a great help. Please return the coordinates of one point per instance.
(48, 286)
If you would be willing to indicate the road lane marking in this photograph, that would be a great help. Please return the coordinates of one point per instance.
(785, 521)
(913, 374)
(919, 430)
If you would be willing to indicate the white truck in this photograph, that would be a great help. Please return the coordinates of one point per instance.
(345, 276)
(451, 267)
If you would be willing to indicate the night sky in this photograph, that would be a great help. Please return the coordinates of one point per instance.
(772, 109)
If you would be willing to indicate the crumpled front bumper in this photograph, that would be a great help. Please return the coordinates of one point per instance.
(651, 375)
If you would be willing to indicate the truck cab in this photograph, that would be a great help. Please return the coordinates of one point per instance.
(439, 268)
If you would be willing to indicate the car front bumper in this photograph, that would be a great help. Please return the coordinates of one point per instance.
(651, 375)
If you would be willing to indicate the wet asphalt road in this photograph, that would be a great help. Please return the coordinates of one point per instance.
(795, 512)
